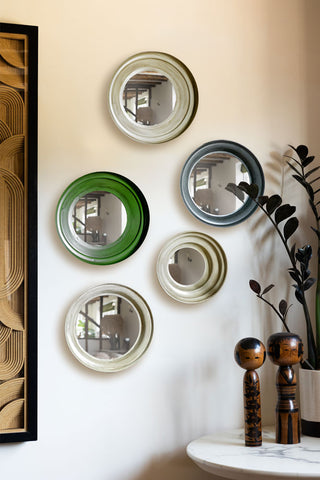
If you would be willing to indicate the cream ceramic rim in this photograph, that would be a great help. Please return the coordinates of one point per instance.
(140, 345)
(214, 271)
(186, 97)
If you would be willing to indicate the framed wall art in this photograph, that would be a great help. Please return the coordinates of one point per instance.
(18, 232)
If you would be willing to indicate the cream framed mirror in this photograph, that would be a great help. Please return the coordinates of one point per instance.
(153, 97)
(109, 327)
(191, 267)
(205, 176)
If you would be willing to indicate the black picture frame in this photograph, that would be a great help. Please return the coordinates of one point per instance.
(29, 432)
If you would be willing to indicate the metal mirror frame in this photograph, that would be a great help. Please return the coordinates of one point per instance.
(186, 97)
(214, 271)
(136, 351)
(246, 157)
(137, 218)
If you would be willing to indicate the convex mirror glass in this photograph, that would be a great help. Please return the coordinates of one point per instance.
(153, 97)
(108, 327)
(191, 267)
(102, 218)
(206, 175)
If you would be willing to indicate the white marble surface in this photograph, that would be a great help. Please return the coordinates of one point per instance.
(226, 455)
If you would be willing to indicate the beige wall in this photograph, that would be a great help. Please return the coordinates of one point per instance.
(256, 63)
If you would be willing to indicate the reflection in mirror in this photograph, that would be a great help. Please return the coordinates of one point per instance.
(107, 326)
(148, 98)
(208, 181)
(99, 218)
(186, 266)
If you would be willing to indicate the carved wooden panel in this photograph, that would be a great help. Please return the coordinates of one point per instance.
(18, 232)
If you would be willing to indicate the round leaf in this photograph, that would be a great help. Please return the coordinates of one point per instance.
(255, 286)
(290, 227)
(283, 307)
(273, 203)
(283, 212)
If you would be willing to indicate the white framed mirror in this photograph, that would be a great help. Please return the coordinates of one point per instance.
(108, 327)
(153, 97)
(191, 267)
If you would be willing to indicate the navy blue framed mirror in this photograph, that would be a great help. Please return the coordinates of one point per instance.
(205, 176)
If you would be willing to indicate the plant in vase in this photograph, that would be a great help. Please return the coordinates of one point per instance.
(281, 215)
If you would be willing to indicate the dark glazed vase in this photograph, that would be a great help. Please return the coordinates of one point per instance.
(309, 381)
(286, 349)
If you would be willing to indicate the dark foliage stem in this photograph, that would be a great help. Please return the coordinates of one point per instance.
(310, 337)
(292, 260)
(276, 311)
(314, 211)
(315, 358)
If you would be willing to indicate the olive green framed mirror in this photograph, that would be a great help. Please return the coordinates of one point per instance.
(153, 97)
(205, 176)
(191, 267)
(109, 327)
(102, 218)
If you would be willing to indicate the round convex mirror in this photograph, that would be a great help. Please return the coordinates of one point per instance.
(153, 97)
(191, 267)
(206, 175)
(208, 180)
(148, 98)
(102, 218)
(99, 218)
(186, 266)
(108, 327)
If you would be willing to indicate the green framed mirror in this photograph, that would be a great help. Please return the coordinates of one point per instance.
(109, 327)
(102, 218)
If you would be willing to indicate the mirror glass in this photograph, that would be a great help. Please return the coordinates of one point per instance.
(208, 181)
(148, 98)
(186, 266)
(191, 267)
(153, 97)
(107, 326)
(206, 175)
(102, 218)
(99, 218)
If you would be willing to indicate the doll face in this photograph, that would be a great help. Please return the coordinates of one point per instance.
(250, 353)
(286, 350)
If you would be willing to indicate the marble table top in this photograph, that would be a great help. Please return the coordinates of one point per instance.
(225, 455)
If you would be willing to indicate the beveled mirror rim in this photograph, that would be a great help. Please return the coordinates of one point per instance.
(212, 277)
(183, 83)
(255, 173)
(139, 347)
(134, 203)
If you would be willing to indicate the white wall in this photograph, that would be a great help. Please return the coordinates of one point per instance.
(256, 63)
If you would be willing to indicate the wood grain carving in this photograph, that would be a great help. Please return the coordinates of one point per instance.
(11, 416)
(11, 233)
(12, 356)
(11, 390)
(5, 333)
(11, 108)
(13, 162)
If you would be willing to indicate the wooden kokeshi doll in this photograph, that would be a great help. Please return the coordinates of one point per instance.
(250, 354)
(286, 349)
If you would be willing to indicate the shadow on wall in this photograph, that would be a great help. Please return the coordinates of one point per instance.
(173, 467)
